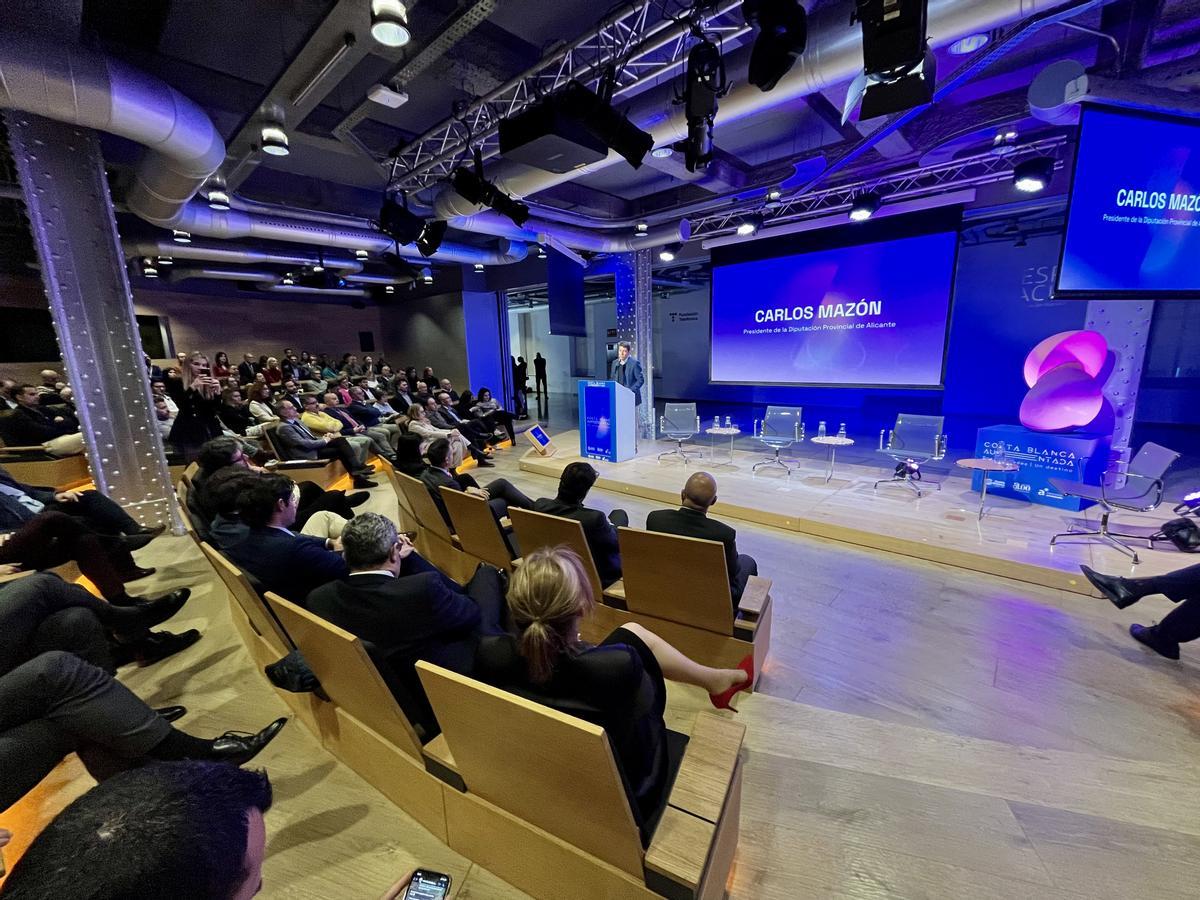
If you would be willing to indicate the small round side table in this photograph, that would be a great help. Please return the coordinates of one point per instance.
(987, 466)
(832, 441)
(732, 431)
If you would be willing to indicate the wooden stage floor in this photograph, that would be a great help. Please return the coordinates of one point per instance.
(1012, 539)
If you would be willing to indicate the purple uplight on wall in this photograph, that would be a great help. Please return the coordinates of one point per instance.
(1064, 376)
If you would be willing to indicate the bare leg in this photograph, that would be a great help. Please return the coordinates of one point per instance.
(677, 667)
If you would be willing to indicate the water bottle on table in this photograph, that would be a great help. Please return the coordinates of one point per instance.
(842, 431)
(821, 429)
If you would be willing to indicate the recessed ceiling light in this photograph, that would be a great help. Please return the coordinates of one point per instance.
(166, 260)
(662, 152)
(427, 275)
(360, 254)
(274, 140)
(970, 43)
(218, 199)
(181, 237)
(389, 23)
(148, 269)
(390, 289)
(641, 227)
(478, 267)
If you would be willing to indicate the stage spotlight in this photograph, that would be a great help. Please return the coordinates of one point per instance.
(669, 252)
(704, 84)
(406, 227)
(389, 23)
(969, 44)
(782, 36)
(427, 275)
(1032, 175)
(181, 237)
(662, 152)
(274, 139)
(864, 205)
(899, 66)
(432, 236)
(641, 227)
(750, 225)
(474, 188)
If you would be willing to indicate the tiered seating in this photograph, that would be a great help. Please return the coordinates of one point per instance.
(476, 528)
(33, 465)
(321, 471)
(434, 540)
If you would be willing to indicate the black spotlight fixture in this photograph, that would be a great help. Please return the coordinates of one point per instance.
(669, 252)
(1033, 174)
(704, 84)
(749, 225)
(474, 188)
(864, 205)
(899, 66)
(570, 128)
(398, 222)
(782, 36)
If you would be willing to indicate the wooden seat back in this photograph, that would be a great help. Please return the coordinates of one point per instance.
(406, 520)
(477, 529)
(261, 620)
(536, 530)
(681, 579)
(421, 504)
(552, 770)
(190, 471)
(183, 490)
(347, 675)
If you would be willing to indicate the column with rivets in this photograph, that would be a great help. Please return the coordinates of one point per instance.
(635, 323)
(1125, 324)
(70, 212)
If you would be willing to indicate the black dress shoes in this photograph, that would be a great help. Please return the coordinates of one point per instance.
(149, 532)
(137, 572)
(172, 713)
(1150, 638)
(362, 482)
(148, 613)
(238, 748)
(357, 499)
(1114, 588)
(133, 542)
(485, 463)
(154, 647)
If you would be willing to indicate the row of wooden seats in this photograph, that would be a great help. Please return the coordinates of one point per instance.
(530, 793)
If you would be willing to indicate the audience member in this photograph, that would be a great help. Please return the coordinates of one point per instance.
(8, 394)
(186, 830)
(620, 682)
(165, 421)
(367, 414)
(691, 520)
(221, 370)
(247, 369)
(158, 390)
(96, 510)
(29, 424)
(235, 413)
(417, 422)
(289, 564)
(1179, 626)
(260, 407)
(489, 410)
(573, 486)
(298, 442)
(499, 493)
(272, 372)
(446, 385)
(153, 371)
(379, 438)
(351, 366)
(289, 390)
(198, 396)
(443, 414)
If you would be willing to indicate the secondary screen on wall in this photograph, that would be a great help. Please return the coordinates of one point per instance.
(1133, 224)
(867, 315)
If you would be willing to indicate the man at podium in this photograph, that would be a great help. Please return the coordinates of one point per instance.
(627, 371)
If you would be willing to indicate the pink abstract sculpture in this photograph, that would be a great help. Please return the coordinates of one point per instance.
(1065, 391)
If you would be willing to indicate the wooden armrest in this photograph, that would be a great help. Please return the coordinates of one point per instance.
(616, 590)
(708, 765)
(21, 448)
(5, 579)
(756, 596)
(301, 464)
(439, 762)
(680, 848)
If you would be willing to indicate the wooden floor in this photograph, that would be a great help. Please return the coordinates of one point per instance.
(922, 731)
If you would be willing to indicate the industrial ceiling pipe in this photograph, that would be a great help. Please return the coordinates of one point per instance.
(219, 273)
(236, 253)
(1057, 91)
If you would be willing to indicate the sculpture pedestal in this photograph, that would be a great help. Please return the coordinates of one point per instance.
(1041, 456)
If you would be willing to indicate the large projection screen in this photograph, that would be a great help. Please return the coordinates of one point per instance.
(870, 315)
(1133, 219)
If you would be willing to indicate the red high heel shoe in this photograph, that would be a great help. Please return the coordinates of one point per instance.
(721, 701)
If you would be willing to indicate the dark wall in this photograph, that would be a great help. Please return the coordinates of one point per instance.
(428, 331)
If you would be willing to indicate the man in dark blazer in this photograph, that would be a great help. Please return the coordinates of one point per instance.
(628, 371)
(289, 564)
(573, 486)
(297, 442)
(691, 520)
(30, 424)
(97, 511)
(403, 605)
(247, 369)
(500, 494)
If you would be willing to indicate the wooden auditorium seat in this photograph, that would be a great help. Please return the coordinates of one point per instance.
(536, 531)
(434, 541)
(546, 807)
(476, 528)
(320, 471)
(33, 465)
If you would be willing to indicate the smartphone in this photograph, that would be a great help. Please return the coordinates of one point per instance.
(427, 885)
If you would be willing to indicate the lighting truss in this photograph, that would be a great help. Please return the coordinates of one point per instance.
(909, 184)
(641, 42)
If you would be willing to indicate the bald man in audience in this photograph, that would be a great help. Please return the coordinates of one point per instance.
(691, 520)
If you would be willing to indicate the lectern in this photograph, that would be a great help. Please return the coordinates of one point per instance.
(607, 421)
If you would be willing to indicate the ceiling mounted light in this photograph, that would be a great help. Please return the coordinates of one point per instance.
(669, 252)
(181, 237)
(750, 225)
(389, 23)
(662, 152)
(288, 279)
(969, 44)
(390, 289)
(274, 139)
(704, 84)
(541, 254)
(427, 275)
(166, 260)
(774, 195)
(479, 267)
(641, 227)
(782, 36)
(1033, 175)
(360, 254)
(899, 68)
(864, 205)
(398, 222)
(148, 269)
(218, 199)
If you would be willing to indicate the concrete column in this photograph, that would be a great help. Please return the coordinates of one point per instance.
(635, 323)
(1125, 324)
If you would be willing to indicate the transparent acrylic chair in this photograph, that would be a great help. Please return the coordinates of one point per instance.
(679, 422)
(779, 428)
(913, 440)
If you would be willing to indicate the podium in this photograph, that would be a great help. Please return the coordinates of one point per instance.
(607, 421)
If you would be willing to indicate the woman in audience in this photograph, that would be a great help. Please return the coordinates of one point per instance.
(466, 400)
(417, 422)
(328, 371)
(234, 413)
(493, 413)
(221, 370)
(621, 680)
(260, 403)
(273, 373)
(198, 396)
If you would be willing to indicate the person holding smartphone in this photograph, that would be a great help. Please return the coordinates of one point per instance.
(198, 395)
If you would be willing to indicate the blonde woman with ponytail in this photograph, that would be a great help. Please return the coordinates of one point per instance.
(618, 684)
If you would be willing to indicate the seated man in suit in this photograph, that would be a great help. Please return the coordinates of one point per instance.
(443, 414)
(691, 520)
(97, 511)
(298, 442)
(366, 412)
(1179, 626)
(289, 564)
(351, 427)
(573, 486)
(29, 424)
(499, 494)
(403, 605)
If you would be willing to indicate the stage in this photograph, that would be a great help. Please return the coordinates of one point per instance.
(1012, 540)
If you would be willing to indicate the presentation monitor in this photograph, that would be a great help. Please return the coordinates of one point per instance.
(867, 315)
(1133, 219)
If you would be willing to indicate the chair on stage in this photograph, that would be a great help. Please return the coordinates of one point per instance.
(913, 440)
(1142, 492)
(679, 422)
(779, 428)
